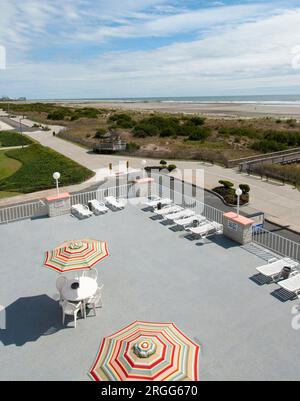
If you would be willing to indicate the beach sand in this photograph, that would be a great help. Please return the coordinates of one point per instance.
(222, 110)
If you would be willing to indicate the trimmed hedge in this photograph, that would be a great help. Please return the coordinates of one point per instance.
(38, 165)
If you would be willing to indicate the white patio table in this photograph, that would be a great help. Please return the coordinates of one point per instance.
(87, 288)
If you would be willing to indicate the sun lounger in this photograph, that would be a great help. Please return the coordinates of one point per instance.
(154, 202)
(81, 211)
(187, 221)
(97, 207)
(115, 203)
(168, 210)
(292, 284)
(180, 214)
(206, 230)
(274, 270)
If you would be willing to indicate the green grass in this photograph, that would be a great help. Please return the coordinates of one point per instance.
(11, 138)
(7, 166)
(38, 165)
(4, 194)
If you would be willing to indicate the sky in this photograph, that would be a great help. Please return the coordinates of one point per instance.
(148, 48)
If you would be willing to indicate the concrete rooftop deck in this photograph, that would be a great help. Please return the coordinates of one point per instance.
(153, 274)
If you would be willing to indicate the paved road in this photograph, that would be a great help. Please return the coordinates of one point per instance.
(16, 125)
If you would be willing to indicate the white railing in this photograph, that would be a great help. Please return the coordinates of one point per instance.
(99, 194)
(276, 243)
(22, 211)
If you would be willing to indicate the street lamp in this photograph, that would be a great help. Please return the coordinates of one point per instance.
(238, 193)
(144, 163)
(56, 176)
(21, 132)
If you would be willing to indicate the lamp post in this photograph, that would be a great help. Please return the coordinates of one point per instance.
(21, 132)
(238, 193)
(144, 163)
(56, 176)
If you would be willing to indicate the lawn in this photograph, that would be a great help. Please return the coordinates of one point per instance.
(8, 167)
(38, 164)
(11, 138)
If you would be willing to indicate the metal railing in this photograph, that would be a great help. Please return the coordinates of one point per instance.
(276, 243)
(121, 191)
(22, 211)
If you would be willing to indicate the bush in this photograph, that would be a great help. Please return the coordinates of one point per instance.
(122, 121)
(132, 146)
(226, 184)
(171, 167)
(267, 146)
(57, 115)
(198, 120)
(199, 134)
(163, 163)
(245, 188)
(99, 133)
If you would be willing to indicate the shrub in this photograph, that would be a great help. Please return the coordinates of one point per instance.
(163, 163)
(122, 121)
(226, 184)
(11, 138)
(171, 167)
(267, 146)
(245, 188)
(57, 115)
(199, 134)
(99, 133)
(132, 146)
(198, 120)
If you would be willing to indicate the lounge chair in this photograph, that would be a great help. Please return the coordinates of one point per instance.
(163, 201)
(188, 221)
(168, 210)
(97, 207)
(115, 203)
(180, 214)
(274, 269)
(206, 230)
(81, 211)
(292, 284)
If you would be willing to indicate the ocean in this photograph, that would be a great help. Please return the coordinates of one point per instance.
(252, 99)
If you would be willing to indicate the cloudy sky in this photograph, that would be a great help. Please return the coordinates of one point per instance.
(143, 48)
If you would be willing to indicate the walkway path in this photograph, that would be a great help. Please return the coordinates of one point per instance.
(279, 202)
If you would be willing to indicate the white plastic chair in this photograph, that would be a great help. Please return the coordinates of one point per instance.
(96, 300)
(71, 309)
(60, 282)
(91, 273)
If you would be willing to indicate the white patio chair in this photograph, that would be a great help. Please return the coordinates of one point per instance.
(168, 210)
(96, 300)
(81, 211)
(91, 273)
(274, 269)
(180, 215)
(189, 221)
(115, 203)
(60, 282)
(98, 207)
(71, 309)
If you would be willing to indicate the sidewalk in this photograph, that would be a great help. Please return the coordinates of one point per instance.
(280, 203)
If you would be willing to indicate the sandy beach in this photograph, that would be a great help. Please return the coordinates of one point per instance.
(222, 110)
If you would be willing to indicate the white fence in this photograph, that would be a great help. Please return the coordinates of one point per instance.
(22, 211)
(121, 191)
(276, 243)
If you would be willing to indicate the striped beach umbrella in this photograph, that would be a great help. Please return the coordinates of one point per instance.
(147, 351)
(76, 255)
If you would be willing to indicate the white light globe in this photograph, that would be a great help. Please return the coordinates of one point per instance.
(144, 162)
(238, 192)
(56, 176)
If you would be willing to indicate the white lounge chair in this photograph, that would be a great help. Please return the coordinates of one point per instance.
(154, 202)
(187, 221)
(292, 284)
(181, 214)
(274, 269)
(97, 207)
(168, 210)
(81, 211)
(115, 203)
(206, 230)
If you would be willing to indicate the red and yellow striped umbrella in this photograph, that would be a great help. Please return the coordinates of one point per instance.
(76, 255)
(147, 351)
